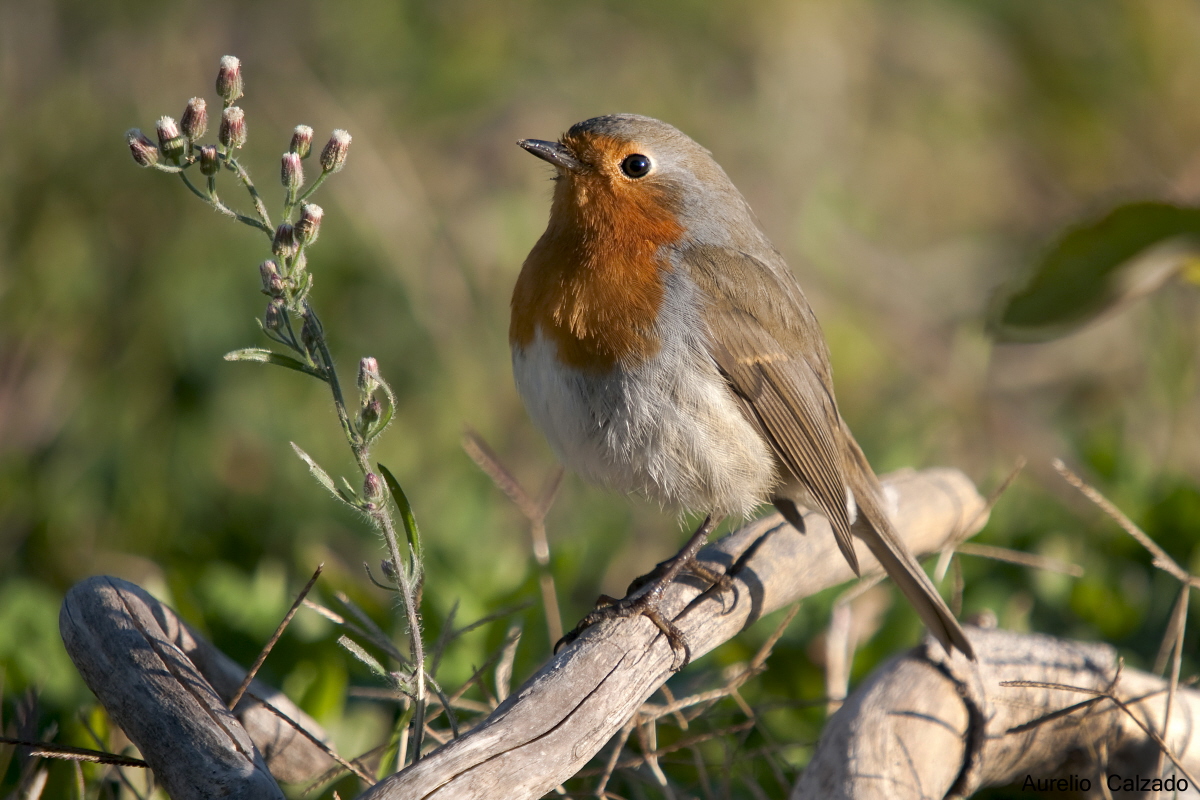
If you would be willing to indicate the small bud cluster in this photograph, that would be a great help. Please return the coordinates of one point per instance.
(233, 128)
(144, 151)
(195, 119)
(229, 80)
(170, 141)
(291, 172)
(179, 146)
(302, 138)
(333, 157)
(309, 224)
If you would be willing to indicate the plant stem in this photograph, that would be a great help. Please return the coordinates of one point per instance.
(212, 199)
(244, 177)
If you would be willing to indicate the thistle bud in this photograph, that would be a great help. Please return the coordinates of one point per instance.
(233, 128)
(209, 162)
(370, 414)
(284, 243)
(272, 282)
(274, 316)
(170, 141)
(229, 79)
(372, 488)
(301, 141)
(368, 368)
(309, 224)
(291, 173)
(144, 151)
(194, 121)
(333, 157)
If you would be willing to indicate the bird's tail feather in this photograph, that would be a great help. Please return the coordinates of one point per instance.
(875, 528)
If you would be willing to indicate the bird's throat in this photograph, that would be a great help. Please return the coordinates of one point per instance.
(593, 283)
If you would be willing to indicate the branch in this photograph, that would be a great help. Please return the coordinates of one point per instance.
(167, 688)
(553, 725)
(153, 674)
(1032, 706)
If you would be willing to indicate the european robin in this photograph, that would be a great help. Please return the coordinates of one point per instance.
(662, 345)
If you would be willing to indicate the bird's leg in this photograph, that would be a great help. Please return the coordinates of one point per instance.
(645, 595)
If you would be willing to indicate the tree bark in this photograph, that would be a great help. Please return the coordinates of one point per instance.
(156, 677)
(553, 725)
(927, 726)
(167, 688)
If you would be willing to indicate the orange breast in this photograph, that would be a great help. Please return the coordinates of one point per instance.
(593, 283)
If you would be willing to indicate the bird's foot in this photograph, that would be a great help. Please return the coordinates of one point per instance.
(645, 597)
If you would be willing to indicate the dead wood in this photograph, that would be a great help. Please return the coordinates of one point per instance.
(927, 726)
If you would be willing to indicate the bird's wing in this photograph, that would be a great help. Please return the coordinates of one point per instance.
(764, 338)
(778, 371)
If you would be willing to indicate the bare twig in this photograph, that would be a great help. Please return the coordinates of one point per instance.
(534, 512)
(325, 748)
(1018, 557)
(67, 753)
(262, 656)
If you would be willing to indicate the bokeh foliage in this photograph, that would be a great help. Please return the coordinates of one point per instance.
(907, 157)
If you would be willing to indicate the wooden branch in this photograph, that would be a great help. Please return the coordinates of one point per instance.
(157, 678)
(879, 745)
(550, 727)
(167, 688)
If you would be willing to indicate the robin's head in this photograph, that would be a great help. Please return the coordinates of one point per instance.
(647, 175)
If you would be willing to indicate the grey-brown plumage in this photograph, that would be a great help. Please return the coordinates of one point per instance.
(663, 345)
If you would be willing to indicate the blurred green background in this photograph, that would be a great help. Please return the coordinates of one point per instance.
(907, 157)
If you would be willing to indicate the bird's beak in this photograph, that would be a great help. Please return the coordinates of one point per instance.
(555, 153)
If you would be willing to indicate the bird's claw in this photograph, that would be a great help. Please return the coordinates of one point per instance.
(644, 599)
(646, 604)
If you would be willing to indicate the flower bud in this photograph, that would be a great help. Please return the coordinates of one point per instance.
(368, 369)
(301, 141)
(233, 128)
(144, 151)
(291, 173)
(229, 79)
(209, 162)
(274, 316)
(370, 414)
(372, 488)
(333, 157)
(170, 141)
(195, 119)
(284, 243)
(272, 282)
(309, 224)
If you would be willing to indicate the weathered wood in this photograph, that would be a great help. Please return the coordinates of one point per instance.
(156, 679)
(927, 726)
(549, 728)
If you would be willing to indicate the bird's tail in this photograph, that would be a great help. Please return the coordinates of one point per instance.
(875, 528)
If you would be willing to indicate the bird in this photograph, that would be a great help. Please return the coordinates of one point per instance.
(663, 346)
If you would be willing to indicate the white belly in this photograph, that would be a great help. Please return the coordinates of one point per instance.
(672, 433)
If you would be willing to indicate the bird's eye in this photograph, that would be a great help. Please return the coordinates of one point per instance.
(636, 165)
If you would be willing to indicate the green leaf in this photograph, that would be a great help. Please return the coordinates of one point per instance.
(1129, 252)
(356, 650)
(264, 356)
(321, 475)
(406, 513)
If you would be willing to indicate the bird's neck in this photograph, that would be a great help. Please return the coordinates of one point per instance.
(594, 282)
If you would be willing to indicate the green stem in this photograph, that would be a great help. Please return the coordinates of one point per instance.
(315, 185)
(244, 177)
(383, 521)
(214, 201)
